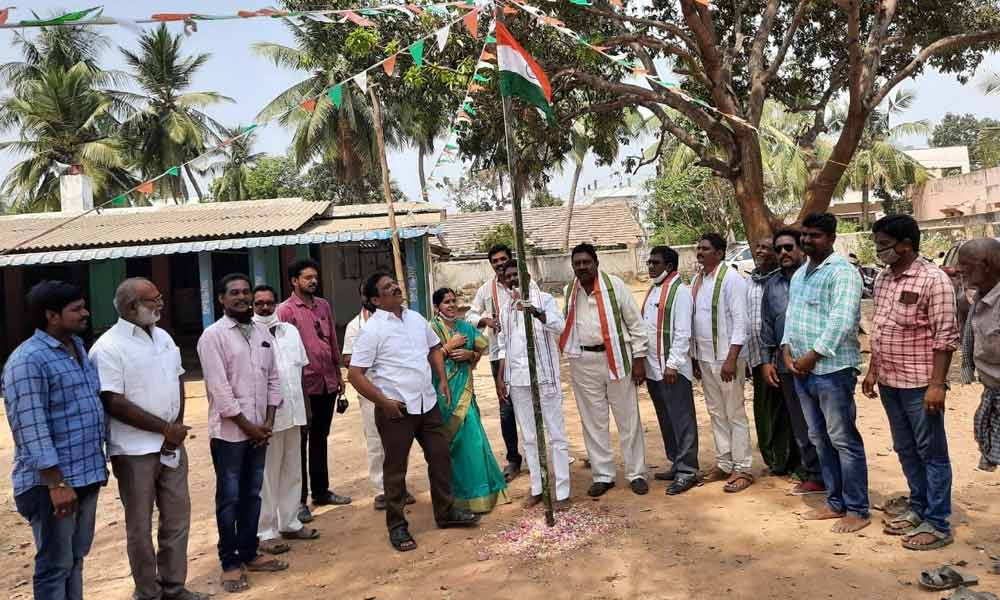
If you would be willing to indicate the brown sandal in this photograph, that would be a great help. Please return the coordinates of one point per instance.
(738, 482)
(713, 475)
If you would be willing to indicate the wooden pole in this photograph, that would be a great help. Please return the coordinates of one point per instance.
(397, 255)
(522, 278)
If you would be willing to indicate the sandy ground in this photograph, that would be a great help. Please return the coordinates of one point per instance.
(702, 544)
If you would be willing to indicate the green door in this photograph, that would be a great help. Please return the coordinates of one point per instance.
(105, 275)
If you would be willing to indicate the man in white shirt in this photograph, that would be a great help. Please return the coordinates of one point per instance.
(139, 368)
(513, 379)
(720, 333)
(605, 341)
(484, 312)
(667, 313)
(373, 444)
(397, 349)
(282, 488)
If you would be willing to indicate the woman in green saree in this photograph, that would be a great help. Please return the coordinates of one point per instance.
(477, 481)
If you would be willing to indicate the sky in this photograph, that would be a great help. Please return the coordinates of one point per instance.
(235, 71)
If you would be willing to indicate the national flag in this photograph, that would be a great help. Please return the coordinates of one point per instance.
(520, 74)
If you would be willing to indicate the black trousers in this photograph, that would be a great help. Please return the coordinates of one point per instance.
(807, 452)
(397, 438)
(314, 468)
(508, 424)
(674, 404)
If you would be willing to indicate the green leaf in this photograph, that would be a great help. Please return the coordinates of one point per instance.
(417, 50)
(336, 94)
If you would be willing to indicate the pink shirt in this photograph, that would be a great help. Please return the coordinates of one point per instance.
(317, 328)
(240, 377)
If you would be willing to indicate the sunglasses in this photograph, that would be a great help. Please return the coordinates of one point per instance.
(784, 248)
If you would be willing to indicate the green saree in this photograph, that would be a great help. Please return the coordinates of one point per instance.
(476, 479)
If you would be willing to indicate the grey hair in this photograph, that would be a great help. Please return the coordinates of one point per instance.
(126, 292)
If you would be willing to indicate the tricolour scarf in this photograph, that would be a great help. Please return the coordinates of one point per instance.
(720, 277)
(612, 330)
(664, 316)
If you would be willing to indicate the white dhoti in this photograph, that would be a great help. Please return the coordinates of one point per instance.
(726, 406)
(373, 443)
(555, 432)
(595, 392)
(282, 490)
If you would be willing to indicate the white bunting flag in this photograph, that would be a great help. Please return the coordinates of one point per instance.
(362, 80)
(442, 36)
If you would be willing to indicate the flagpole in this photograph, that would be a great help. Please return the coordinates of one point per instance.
(522, 278)
(387, 192)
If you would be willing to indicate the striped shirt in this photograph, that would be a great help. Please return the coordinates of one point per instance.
(55, 413)
(513, 340)
(824, 312)
(914, 317)
(755, 295)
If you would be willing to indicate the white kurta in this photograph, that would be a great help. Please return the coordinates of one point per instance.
(374, 452)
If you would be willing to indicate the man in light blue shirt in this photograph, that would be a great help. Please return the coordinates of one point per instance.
(821, 349)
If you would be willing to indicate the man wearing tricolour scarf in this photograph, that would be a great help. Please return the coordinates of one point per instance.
(605, 341)
(719, 334)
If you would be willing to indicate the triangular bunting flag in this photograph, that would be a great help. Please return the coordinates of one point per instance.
(471, 21)
(480, 78)
(357, 19)
(308, 105)
(442, 36)
(336, 94)
(417, 50)
(487, 56)
(617, 3)
(467, 107)
(491, 39)
(402, 9)
(4, 15)
(362, 80)
(319, 18)
(66, 18)
(509, 10)
(414, 9)
(174, 171)
(484, 65)
(475, 87)
(389, 65)
(145, 188)
(250, 128)
(371, 12)
(120, 201)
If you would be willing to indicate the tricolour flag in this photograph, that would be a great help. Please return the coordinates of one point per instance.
(520, 75)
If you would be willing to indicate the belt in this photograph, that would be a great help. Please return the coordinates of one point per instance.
(597, 348)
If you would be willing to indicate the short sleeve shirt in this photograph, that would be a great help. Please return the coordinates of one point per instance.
(395, 353)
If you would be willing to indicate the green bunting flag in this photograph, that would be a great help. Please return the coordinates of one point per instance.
(417, 50)
(336, 94)
(491, 39)
(580, 2)
(175, 171)
(480, 78)
(63, 19)
(467, 107)
(120, 201)
(250, 128)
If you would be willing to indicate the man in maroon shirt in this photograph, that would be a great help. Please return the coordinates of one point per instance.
(321, 378)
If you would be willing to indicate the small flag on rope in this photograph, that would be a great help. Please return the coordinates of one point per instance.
(475, 87)
(389, 65)
(5, 14)
(250, 127)
(362, 80)
(509, 10)
(174, 171)
(442, 36)
(171, 17)
(491, 39)
(336, 94)
(480, 78)
(488, 56)
(308, 105)
(417, 50)
(145, 188)
(414, 9)
(520, 74)
(357, 19)
(120, 201)
(471, 21)
(467, 107)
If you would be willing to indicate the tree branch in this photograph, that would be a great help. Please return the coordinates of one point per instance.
(646, 41)
(952, 42)
(671, 28)
(683, 136)
(786, 42)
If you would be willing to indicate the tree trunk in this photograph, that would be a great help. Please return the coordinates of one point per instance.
(820, 188)
(348, 156)
(421, 150)
(748, 191)
(572, 201)
(194, 183)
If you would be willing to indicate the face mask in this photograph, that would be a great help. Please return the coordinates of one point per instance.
(889, 256)
(267, 321)
(659, 278)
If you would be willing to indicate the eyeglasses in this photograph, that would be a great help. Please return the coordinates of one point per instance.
(157, 300)
(779, 248)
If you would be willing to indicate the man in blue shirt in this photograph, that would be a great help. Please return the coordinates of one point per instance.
(50, 390)
(821, 350)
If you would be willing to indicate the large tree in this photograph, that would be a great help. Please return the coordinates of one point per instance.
(169, 128)
(981, 136)
(723, 60)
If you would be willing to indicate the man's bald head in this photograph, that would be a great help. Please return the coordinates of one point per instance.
(138, 301)
(979, 261)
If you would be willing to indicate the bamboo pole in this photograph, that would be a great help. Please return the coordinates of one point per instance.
(397, 255)
(522, 277)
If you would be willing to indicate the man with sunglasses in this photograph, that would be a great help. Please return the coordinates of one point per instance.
(774, 371)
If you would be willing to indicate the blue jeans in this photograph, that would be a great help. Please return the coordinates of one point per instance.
(922, 446)
(239, 475)
(830, 412)
(60, 544)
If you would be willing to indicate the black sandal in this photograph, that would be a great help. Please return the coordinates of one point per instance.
(401, 540)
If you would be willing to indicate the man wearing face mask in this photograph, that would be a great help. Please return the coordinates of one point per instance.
(144, 400)
(283, 464)
(914, 335)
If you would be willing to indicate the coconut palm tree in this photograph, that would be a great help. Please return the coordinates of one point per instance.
(170, 128)
(231, 170)
(344, 137)
(64, 121)
(879, 163)
(60, 47)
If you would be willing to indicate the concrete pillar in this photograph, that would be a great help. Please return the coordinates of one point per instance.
(207, 287)
(76, 193)
(16, 324)
(161, 279)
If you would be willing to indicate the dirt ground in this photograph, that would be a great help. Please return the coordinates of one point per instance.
(702, 544)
